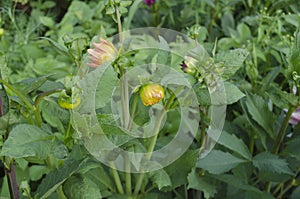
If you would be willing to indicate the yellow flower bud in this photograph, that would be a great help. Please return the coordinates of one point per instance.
(104, 51)
(151, 94)
(68, 102)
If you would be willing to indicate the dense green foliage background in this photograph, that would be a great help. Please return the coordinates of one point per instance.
(44, 43)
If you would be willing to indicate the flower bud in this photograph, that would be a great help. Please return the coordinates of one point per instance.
(149, 2)
(295, 118)
(68, 102)
(188, 65)
(151, 94)
(104, 51)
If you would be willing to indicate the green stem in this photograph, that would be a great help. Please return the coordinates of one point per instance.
(37, 102)
(282, 130)
(116, 178)
(150, 188)
(213, 16)
(38, 116)
(185, 192)
(123, 79)
(268, 187)
(133, 110)
(278, 188)
(18, 93)
(290, 185)
(128, 176)
(9, 183)
(119, 25)
(138, 184)
(67, 134)
(203, 128)
(153, 142)
(285, 190)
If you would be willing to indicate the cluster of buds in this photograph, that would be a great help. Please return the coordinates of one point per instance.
(151, 94)
(199, 64)
(104, 51)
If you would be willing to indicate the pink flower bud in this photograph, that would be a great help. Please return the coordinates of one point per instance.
(102, 52)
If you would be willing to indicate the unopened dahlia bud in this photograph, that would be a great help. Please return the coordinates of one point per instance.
(189, 65)
(151, 94)
(104, 51)
(68, 102)
(295, 118)
(149, 2)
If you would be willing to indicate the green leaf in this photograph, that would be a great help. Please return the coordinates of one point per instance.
(4, 70)
(202, 95)
(80, 187)
(236, 182)
(55, 178)
(227, 23)
(47, 21)
(233, 93)
(281, 98)
(37, 171)
(266, 161)
(26, 140)
(105, 88)
(50, 65)
(260, 112)
(163, 52)
(217, 162)
(232, 61)
(259, 131)
(32, 83)
(296, 193)
(235, 144)
(270, 176)
(51, 85)
(270, 77)
(292, 19)
(201, 183)
(244, 32)
(160, 178)
(62, 49)
(243, 171)
(262, 195)
(100, 176)
(54, 115)
(77, 12)
(133, 9)
(125, 3)
(240, 183)
(48, 4)
(292, 148)
(184, 164)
